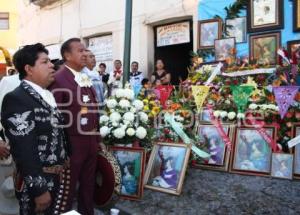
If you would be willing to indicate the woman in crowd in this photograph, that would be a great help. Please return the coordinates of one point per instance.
(160, 76)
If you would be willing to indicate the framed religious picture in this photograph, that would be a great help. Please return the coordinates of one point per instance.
(208, 31)
(296, 131)
(296, 17)
(263, 48)
(132, 165)
(282, 165)
(166, 167)
(251, 153)
(212, 142)
(204, 116)
(293, 46)
(225, 49)
(265, 15)
(237, 28)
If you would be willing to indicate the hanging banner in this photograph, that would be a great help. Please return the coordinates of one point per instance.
(200, 93)
(284, 97)
(179, 131)
(219, 128)
(164, 92)
(241, 95)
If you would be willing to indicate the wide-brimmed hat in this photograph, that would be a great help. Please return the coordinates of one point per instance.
(108, 178)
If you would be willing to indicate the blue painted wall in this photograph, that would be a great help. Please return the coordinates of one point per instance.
(207, 9)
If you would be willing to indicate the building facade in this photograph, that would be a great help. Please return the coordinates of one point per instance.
(101, 23)
(8, 31)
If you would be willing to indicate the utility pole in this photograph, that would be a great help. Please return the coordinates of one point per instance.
(127, 42)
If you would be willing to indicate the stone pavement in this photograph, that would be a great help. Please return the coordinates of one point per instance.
(209, 192)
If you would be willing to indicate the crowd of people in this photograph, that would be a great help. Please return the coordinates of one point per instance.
(49, 123)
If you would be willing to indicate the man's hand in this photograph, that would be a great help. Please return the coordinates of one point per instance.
(42, 202)
(4, 151)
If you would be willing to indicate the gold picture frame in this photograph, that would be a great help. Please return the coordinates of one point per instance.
(221, 154)
(166, 167)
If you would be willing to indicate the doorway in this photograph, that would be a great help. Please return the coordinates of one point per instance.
(176, 57)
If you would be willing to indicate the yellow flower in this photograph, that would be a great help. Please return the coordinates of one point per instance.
(146, 108)
(156, 109)
(145, 101)
(152, 102)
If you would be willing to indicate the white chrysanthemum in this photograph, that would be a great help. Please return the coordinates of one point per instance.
(231, 115)
(129, 94)
(240, 116)
(223, 114)
(115, 124)
(104, 119)
(133, 109)
(120, 93)
(143, 117)
(115, 117)
(128, 116)
(227, 101)
(138, 104)
(217, 113)
(124, 103)
(271, 106)
(264, 107)
(276, 108)
(130, 132)
(141, 132)
(111, 103)
(253, 106)
(104, 131)
(119, 133)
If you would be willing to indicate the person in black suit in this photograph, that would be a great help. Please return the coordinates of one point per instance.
(32, 124)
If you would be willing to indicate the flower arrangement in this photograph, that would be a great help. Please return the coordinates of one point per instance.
(125, 122)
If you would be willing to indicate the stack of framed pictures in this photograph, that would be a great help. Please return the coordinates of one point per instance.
(263, 18)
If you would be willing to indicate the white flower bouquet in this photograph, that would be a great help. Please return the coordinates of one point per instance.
(124, 122)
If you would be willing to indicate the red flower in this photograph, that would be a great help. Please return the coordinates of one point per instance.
(166, 131)
(289, 115)
(194, 162)
(235, 82)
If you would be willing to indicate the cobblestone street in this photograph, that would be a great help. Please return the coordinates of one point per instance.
(208, 192)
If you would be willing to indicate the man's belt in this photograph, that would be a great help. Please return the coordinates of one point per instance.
(57, 169)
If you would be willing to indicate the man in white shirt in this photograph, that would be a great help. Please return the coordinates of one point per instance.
(115, 77)
(94, 76)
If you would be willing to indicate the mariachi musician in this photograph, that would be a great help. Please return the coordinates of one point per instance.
(38, 145)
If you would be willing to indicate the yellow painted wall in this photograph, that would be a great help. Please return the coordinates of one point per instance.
(8, 38)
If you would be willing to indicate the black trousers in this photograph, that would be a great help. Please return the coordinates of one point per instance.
(57, 186)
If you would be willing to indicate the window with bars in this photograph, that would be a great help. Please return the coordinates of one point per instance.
(4, 21)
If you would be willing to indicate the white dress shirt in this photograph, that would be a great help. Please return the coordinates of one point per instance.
(45, 94)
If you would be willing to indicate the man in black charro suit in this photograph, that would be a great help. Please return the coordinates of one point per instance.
(38, 145)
